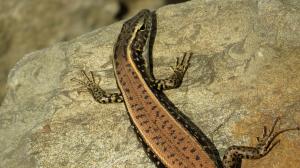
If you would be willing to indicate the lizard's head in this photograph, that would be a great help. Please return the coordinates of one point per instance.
(134, 38)
(142, 26)
(138, 44)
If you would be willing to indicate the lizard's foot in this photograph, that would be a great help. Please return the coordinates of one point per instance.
(175, 80)
(266, 143)
(89, 84)
(181, 66)
(233, 155)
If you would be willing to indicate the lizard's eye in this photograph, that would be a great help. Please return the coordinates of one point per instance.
(142, 28)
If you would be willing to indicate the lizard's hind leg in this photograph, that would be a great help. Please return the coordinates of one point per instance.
(233, 155)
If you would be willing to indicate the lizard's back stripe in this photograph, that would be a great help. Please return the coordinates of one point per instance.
(167, 138)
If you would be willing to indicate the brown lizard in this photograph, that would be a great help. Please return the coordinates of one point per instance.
(169, 137)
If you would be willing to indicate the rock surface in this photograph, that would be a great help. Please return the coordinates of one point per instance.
(244, 73)
(26, 26)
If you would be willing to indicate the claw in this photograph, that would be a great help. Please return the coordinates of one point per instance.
(273, 145)
(274, 125)
(189, 58)
(183, 64)
(264, 132)
(177, 61)
(182, 61)
(265, 144)
(92, 75)
(78, 80)
(86, 76)
(90, 81)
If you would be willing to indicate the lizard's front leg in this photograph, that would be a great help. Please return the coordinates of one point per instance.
(234, 154)
(175, 80)
(96, 91)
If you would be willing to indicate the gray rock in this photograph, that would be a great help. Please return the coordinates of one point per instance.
(26, 26)
(244, 73)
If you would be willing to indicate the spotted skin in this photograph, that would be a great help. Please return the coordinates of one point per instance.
(90, 85)
(157, 127)
(175, 80)
(169, 138)
(234, 154)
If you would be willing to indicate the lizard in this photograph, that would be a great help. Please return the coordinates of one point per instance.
(169, 138)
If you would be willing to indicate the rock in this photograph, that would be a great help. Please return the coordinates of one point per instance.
(134, 6)
(244, 73)
(29, 25)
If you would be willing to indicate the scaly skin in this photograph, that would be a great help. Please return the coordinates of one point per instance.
(168, 136)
